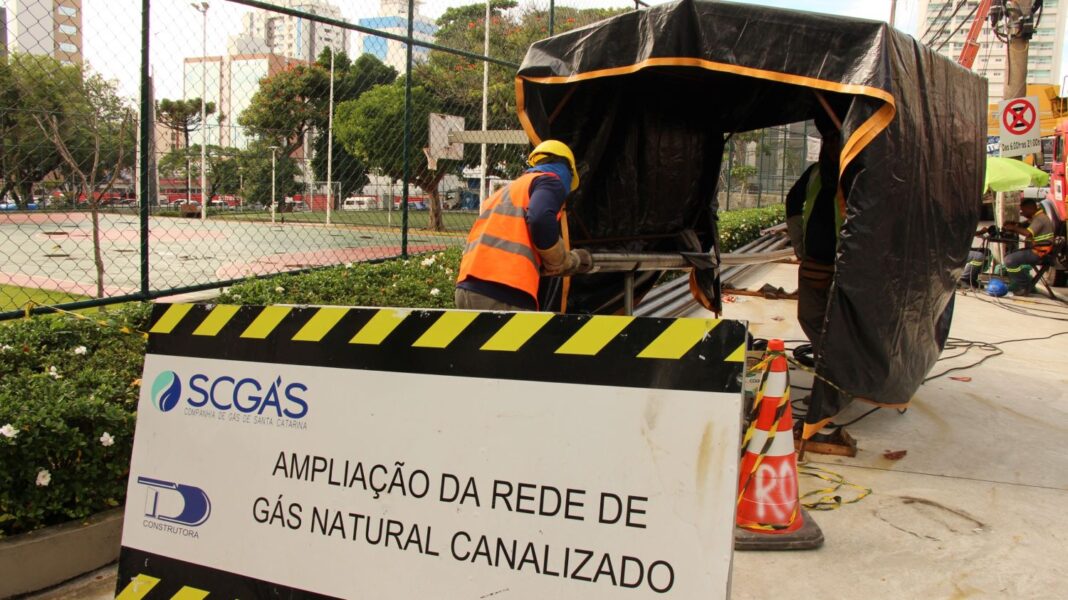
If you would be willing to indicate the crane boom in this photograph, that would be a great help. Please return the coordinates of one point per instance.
(971, 44)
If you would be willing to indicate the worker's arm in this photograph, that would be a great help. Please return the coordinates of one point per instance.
(547, 195)
(1018, 228)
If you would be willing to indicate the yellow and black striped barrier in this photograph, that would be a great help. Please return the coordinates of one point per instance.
(533, 346)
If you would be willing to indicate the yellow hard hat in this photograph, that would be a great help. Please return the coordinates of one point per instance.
(555, 148)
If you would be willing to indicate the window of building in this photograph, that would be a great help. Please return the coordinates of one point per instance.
(68, 48)
(67, 11)
(69, 29)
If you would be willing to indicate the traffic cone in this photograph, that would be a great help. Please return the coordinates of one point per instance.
(768, 499)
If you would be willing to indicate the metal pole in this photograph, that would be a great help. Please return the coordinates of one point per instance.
(1016, 76)
(204, 200)
(730, 167)
(485, 108)
(893, 11)
(552, 18)
(782, 165)
(273, 150)
(628, 294)
(330, 145)
(146, 145)
(407, 130)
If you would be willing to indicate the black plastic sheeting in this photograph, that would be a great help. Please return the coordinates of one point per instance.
(646, 100)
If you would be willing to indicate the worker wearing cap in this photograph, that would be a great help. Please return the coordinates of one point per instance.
(517, 237)
(1038, 236)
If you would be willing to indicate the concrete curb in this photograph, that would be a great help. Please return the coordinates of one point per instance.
(44, 558)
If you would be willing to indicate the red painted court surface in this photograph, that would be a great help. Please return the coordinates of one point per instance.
(54, 251)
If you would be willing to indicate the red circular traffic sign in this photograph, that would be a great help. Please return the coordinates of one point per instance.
(1019, 116)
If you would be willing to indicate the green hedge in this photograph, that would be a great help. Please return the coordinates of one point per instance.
(425, 281)
(68, 400)
(739, 227)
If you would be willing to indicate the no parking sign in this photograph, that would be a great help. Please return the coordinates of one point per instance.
(1020, 130)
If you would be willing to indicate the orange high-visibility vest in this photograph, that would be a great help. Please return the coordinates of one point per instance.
(499, 248)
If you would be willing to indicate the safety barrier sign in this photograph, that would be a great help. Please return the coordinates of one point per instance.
(386, 453)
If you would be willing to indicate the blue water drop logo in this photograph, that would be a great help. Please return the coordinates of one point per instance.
(166, 391)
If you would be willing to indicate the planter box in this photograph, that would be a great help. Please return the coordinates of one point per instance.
(47, 557)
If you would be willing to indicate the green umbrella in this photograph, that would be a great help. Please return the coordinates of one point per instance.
(1009, 174)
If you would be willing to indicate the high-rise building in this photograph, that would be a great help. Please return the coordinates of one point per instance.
(947, 36)
(294, 37)
(229, 82)
(46, 28)
(3, 30)
(393, 18)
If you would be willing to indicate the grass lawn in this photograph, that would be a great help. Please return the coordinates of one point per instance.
(14, 297)
(417, 219)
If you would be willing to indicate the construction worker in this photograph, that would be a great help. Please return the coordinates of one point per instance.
(1037, 235)
(813, 218)
(517, 237)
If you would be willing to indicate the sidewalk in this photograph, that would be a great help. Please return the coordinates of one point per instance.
(976, 509)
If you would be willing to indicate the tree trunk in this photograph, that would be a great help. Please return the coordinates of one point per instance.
(24, 194)
(429, 183)
(98, 258)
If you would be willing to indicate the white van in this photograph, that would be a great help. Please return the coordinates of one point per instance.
(360, 203)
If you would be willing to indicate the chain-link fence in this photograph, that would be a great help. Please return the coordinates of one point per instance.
(153, 147)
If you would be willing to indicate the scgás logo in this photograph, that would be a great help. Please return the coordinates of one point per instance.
(245, 395)
(166, 390)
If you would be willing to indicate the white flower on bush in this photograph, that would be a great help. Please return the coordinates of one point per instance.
(54, 373)
(279, 289)
(106, 440)
(435, 292)
(5, 348)
(348, 265)
(237, 297)
(448, 271)
(43, 478)
(428, 262)
(9, 431)
(80, 350)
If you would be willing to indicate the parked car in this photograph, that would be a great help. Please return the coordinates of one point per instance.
(359, 203)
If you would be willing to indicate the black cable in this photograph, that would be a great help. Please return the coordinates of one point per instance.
(941, 12)
(956, 10)
(959, 27)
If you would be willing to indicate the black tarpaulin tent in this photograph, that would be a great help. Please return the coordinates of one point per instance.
(646, 99)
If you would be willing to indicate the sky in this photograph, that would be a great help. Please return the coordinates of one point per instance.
(112, 30)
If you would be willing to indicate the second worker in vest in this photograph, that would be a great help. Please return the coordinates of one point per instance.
(516, 239)
(1037, 235)
(813, 218)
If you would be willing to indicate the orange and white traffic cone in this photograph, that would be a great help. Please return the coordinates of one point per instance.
(767, 488)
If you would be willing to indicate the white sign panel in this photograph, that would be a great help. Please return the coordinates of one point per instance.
(387, 482)
(1021, 130)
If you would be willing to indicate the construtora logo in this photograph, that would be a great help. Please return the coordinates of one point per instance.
(166, 391)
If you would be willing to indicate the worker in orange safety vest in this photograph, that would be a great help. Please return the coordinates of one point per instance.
(517, 239)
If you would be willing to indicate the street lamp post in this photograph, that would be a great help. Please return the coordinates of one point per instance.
(274, 149)
(330, 145)
(202, 7)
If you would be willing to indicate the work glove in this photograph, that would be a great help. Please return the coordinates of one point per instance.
(556, 261)
(795, 229)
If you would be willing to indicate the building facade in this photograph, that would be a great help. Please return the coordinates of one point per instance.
(230, 82)
(294, 37)
(46, 28)
(393, 18)
(1044, 54)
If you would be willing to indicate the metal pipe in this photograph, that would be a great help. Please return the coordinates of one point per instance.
(625, 261)
(628, 294)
